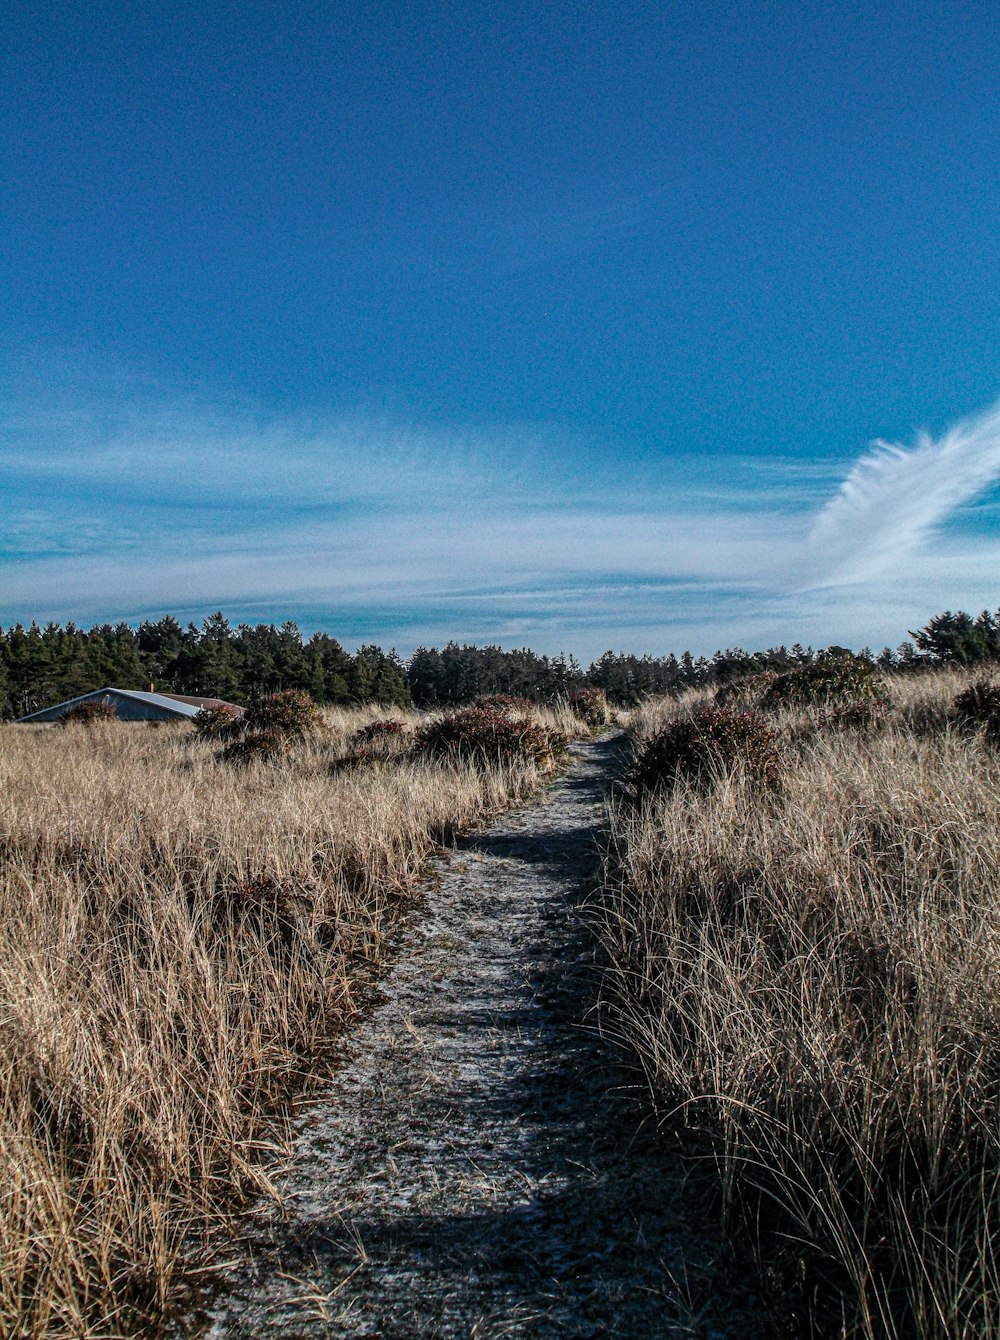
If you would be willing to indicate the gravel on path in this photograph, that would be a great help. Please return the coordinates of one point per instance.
(480, 1165)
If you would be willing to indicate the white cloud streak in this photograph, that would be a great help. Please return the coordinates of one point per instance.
(889, 505)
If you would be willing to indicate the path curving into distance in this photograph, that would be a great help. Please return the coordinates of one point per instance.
(479, 1167)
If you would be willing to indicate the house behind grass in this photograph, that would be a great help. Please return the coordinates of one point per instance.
(134, 705)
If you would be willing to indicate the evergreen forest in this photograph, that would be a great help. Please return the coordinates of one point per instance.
(44, 665)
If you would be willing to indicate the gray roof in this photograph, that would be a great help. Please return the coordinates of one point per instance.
(157, 701)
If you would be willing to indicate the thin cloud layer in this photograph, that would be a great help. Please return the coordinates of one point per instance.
(128, 506)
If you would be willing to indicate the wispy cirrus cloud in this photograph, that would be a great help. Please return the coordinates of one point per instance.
(127, 502)
(888, 506)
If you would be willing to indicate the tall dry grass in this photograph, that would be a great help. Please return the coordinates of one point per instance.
(180, 940)
(811, 976)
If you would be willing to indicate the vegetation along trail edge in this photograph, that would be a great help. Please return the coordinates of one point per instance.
(478, 1166)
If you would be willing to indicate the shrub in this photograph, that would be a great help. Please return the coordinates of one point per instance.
(979, 706)
(838, 679)
(505, 702)
(380, 732)
(266, 746)
(379, 741)
(707, 743)
(591, 706)
(866, 717)
(291, 712)
(218, 723)
(745, 692)
(487, 735)
(89, 712)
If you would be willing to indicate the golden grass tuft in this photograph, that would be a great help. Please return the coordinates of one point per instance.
(180, 941)
(811, 977)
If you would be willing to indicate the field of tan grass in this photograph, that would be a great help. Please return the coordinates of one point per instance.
(810, 973)
(180, 942)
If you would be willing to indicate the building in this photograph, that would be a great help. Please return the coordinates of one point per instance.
(133, 705)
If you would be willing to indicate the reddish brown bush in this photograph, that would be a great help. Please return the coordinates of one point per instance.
(486, 735)
(591, 706)
(704, 745)
(218, 723)
(379, 741)
(866, 718)
(291, 712)
(977, 707)
(746, 691)
(267, 746)
(505, 702)
(89, 712)
(378, 732)
(838, 679)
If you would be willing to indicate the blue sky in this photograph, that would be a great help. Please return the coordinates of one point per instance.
(569, 326)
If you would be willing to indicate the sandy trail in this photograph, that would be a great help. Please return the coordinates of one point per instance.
(478, 1166)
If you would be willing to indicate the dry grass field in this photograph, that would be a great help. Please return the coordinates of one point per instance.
(809, 969)
(181, 939)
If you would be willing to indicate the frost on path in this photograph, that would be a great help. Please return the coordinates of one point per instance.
(478, 1166)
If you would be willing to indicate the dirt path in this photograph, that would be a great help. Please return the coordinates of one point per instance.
(475, 1169)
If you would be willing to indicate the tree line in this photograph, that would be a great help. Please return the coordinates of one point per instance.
(44, 665)
(40, 666)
